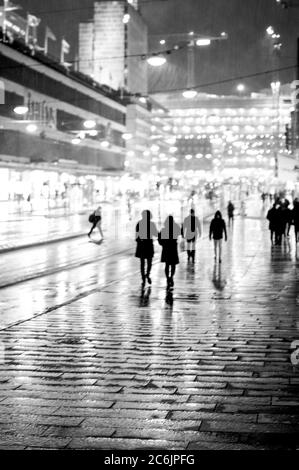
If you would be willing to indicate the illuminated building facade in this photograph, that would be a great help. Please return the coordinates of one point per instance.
(69, 143)
(227, 135)
(111, 45)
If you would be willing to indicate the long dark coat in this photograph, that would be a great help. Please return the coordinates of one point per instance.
(169, 244)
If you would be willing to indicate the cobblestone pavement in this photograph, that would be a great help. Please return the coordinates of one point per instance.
(205, 368)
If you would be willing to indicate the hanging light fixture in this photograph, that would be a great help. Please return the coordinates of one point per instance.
(127, 136)
(156, 60)
(203, 42)
(189, 94)
(31, 128)
(90, 124)
(105, 144)
(21, 110)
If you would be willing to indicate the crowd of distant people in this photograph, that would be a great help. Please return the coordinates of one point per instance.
(281, 218)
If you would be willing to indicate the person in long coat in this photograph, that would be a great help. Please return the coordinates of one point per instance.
(145, 231)
(272, 216)
(217, 230)
(230, 212)
(168, 238)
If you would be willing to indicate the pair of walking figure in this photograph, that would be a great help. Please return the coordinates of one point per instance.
(146, 230)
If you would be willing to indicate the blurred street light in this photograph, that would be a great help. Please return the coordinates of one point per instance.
(127, 136)
(156, 60)
(89, 124)
(105, 144)
(240, 87)
(21, 110)
(270, 30)
(189, 94)
(31, 128)
(203, 42)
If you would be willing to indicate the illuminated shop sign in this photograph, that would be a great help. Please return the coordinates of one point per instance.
(40, 111)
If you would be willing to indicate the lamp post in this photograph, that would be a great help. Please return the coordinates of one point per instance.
(275, 86)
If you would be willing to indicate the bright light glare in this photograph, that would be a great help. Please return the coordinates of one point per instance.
(156, 61)
(90, 124)
(93, 133)
(105, 144)
(203, 42)
(20, 110)
(127, 136)
(31, 128)
(241, 87)
(270, 30)
(126, 18)
(189, 94)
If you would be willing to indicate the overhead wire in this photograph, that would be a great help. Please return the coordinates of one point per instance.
(196, 87)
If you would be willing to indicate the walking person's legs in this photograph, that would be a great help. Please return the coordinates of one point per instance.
(220, 249)
(167, 266)
(272, 236)
(193, 251)
(149, 268)
(99, 225)
(172, 274)
(142, 269)
(92, 228)
(189, 250)
(215, 248)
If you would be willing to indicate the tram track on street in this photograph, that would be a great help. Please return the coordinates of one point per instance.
(62, 268)
(75, 298)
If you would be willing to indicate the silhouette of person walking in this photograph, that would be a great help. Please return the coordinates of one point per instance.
(272, 216)
(191, 230)
(217, 230)
(145, 231)
(295, 218)
(168, 240)
(230, 213)
(97, 222)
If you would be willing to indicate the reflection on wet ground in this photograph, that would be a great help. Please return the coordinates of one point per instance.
(205, 365)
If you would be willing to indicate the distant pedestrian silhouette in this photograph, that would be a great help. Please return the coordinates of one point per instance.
(272, 216)
(191, 230)
(144, 233)
(230, 212)
(295, 219)
(96, 220)
(217, 230)
(168, 240)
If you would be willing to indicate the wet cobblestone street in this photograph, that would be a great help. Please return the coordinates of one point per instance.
(207, 367)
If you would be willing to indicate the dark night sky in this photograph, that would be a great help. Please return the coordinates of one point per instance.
(247, 51)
